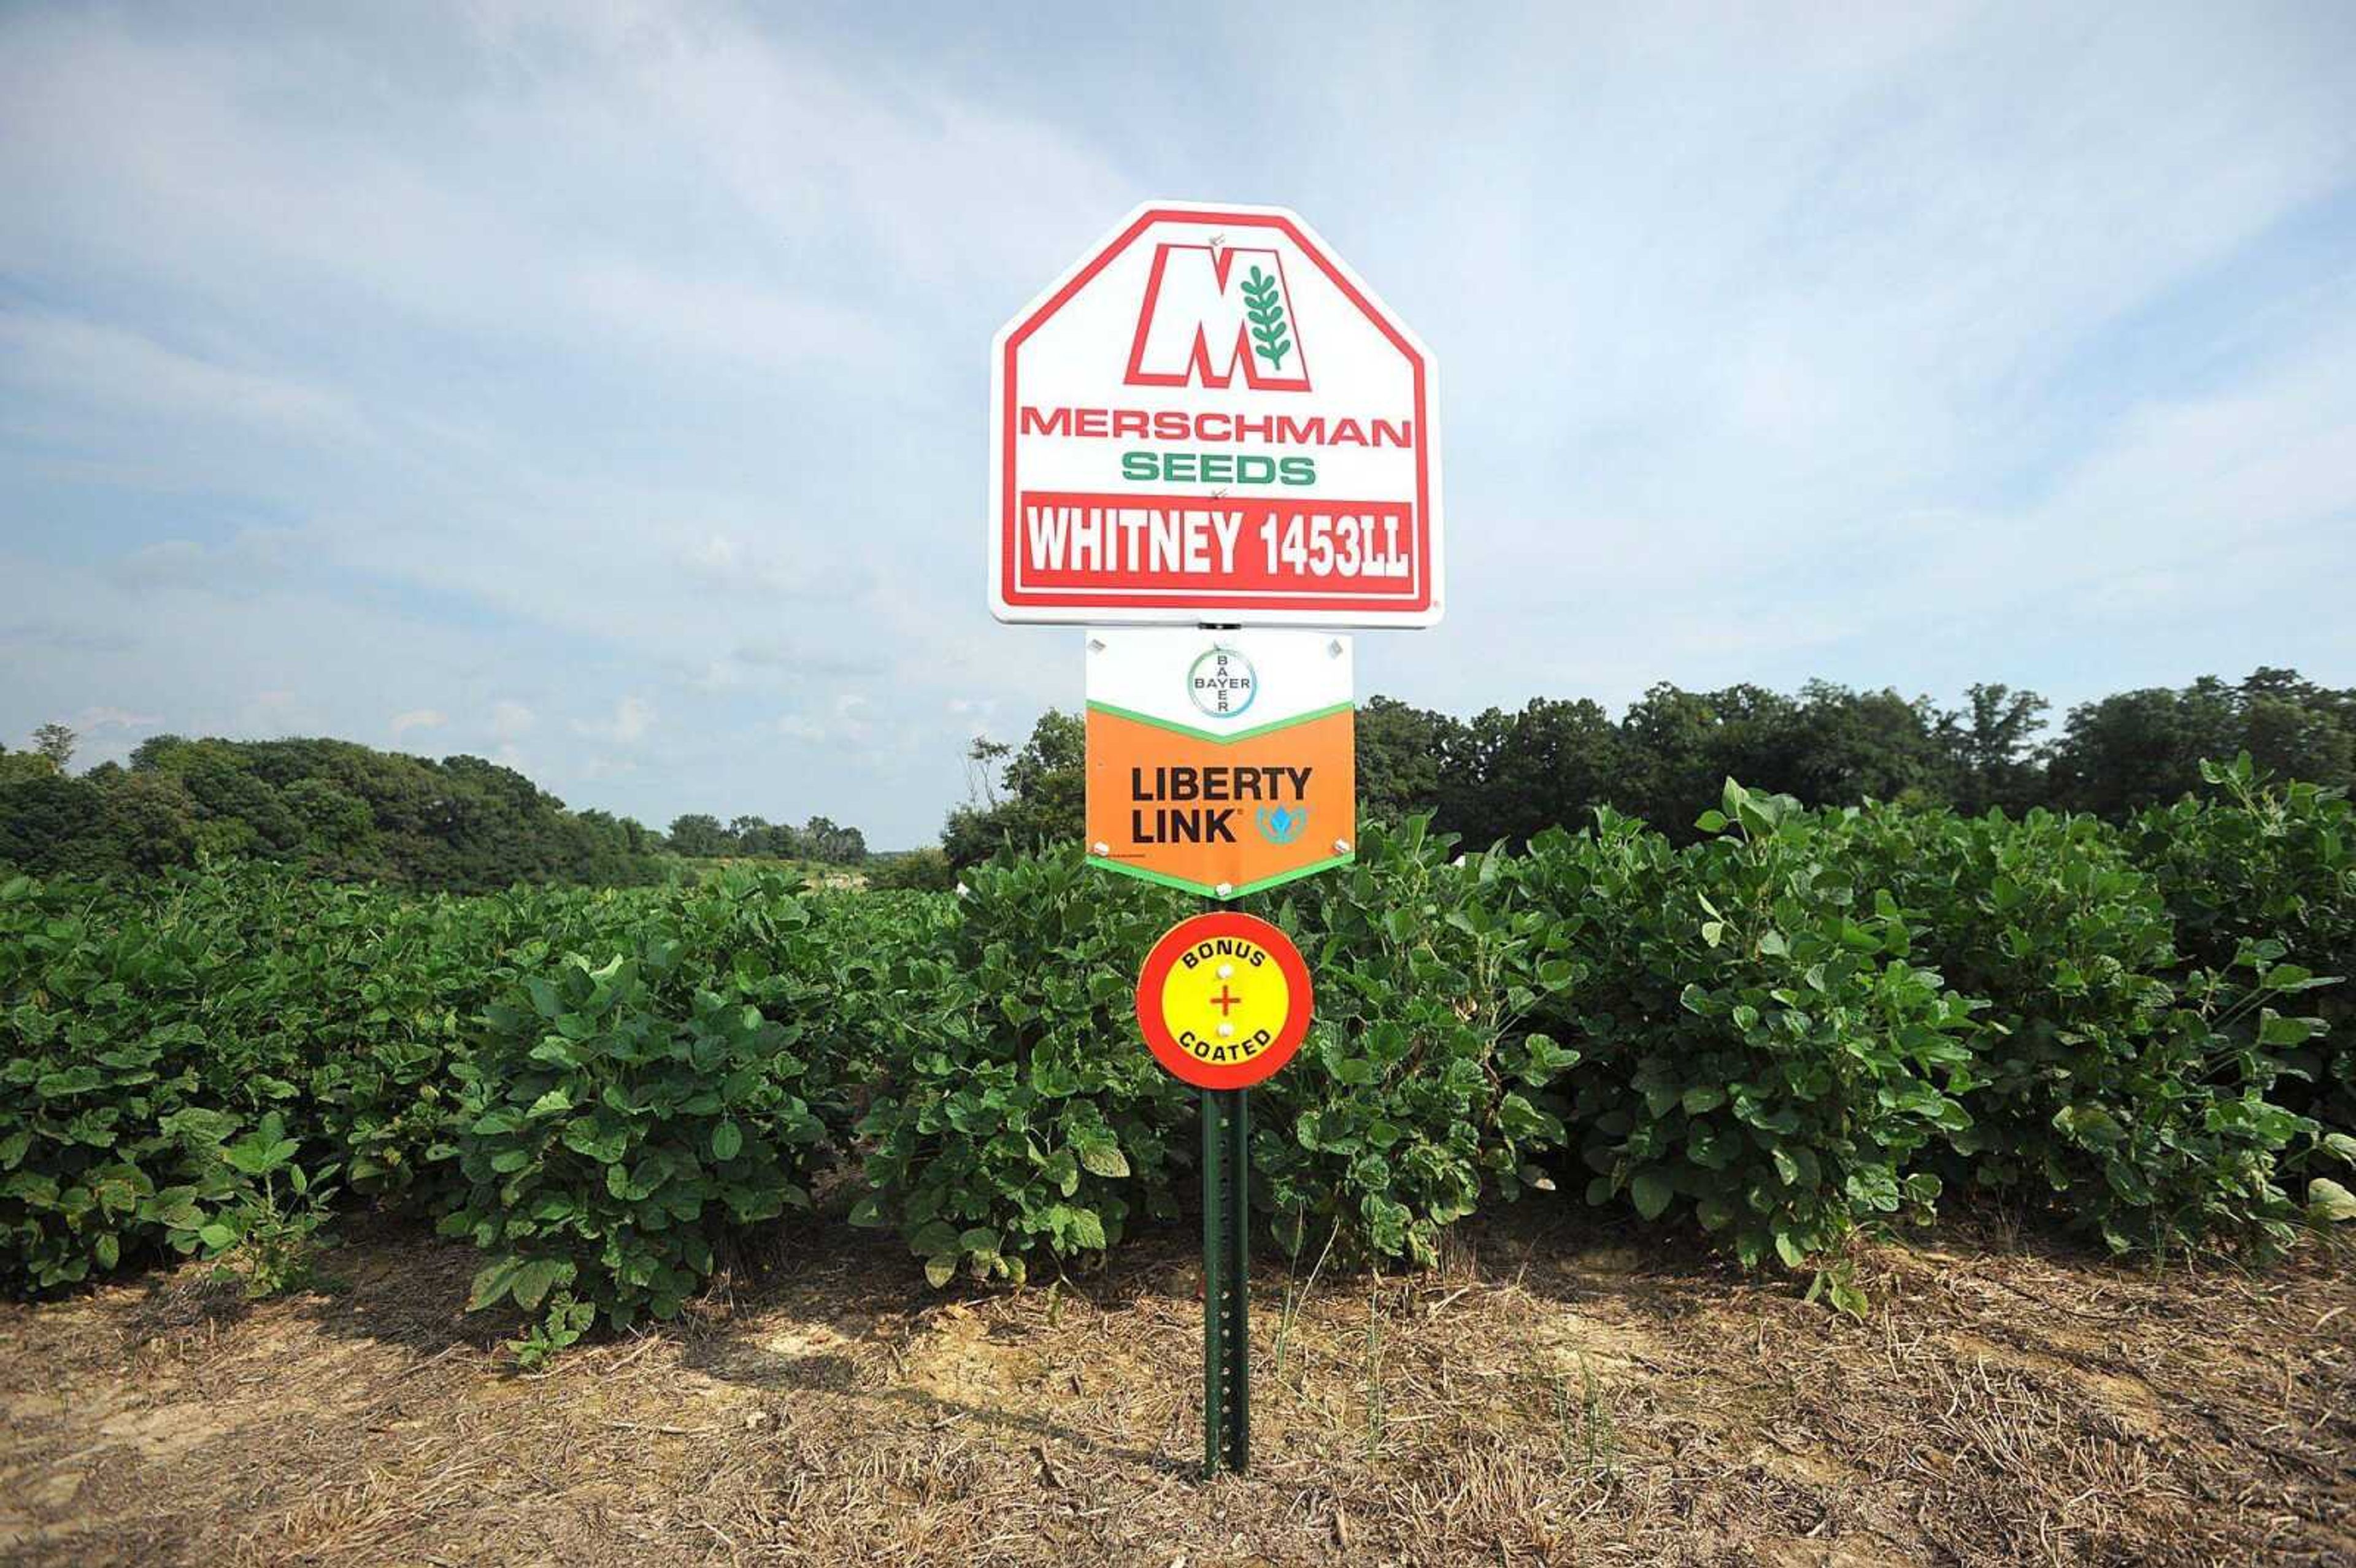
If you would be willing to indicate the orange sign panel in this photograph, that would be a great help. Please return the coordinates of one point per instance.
(1222, 804)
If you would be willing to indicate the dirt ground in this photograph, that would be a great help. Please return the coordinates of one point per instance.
(1558, 1391)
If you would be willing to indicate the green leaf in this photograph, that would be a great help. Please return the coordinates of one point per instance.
(79, 1080)
(2328, 1202)
(492, 1282)
(941, 1269)
(1651, 1192)
(2274, 1030)
(532, 1281)
(584, 1137)
(727, 1140)
(1102, 1157)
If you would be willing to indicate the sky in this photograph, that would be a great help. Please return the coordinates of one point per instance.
(602, 387)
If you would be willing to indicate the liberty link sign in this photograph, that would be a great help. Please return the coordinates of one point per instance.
(1222, 762)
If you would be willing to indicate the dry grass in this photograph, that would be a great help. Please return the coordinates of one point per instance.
(1555, 1392)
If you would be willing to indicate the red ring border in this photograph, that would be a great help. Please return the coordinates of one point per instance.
(1164, 957)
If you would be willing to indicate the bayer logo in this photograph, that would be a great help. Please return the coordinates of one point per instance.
(1221, 683)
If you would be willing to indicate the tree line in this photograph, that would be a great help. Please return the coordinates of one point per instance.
(1508, 774)
(349, 813)
(820, 838)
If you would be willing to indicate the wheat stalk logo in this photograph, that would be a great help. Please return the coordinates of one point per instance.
(1267, 316)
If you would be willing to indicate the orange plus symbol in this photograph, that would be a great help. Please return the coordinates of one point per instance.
(1225, 1001)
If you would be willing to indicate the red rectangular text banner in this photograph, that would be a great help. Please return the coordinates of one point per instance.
(1250, 547)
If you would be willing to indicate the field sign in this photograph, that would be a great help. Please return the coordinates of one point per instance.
(1223, 1000)
(1220, 762)
(1211, 419)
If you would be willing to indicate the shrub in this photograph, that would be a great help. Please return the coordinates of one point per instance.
(1419, 1087)
(634, 1108)
(2115, 1084)
(1761, 1046)
(133, 1055)
(1019, 1114)
(2260, 862)
(919, 871)
(397, 983)
(267, 1233)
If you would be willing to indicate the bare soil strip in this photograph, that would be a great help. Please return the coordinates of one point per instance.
(1557, 1392)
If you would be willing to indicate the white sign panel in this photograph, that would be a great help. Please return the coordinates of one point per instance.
(1211, 419)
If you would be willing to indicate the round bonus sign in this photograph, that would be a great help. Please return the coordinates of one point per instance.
(1223, 1000)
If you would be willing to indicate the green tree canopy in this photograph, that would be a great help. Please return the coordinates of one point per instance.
(1041, 799)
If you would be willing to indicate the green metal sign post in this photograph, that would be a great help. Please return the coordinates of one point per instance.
(1224, 1002)
(1227, 1280)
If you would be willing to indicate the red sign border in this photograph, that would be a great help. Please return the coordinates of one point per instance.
(1164, 957)
(1317, 609)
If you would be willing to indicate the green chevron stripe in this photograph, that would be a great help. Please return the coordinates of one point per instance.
(1221, 738)
(1210, 891)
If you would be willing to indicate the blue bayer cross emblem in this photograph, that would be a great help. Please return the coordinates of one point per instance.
(1282, 824)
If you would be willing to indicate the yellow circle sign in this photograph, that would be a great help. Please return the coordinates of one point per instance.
(1223, 1000)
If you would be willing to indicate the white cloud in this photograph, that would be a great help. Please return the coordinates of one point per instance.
(796, 727)
(510, 719)
(810, 566)
(631, 718)
(418, 719)
(55, 356)
(92, 720)
(239, 567)
(713, 555)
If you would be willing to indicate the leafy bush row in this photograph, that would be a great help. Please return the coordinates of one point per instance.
(2252, 863)
(1803, 1024)
(1761, 1046)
